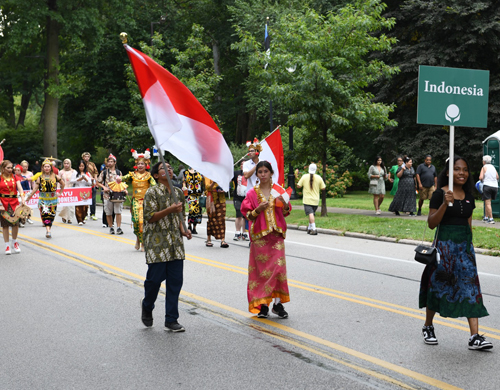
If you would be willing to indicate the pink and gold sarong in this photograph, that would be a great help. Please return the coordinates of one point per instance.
(267, 271)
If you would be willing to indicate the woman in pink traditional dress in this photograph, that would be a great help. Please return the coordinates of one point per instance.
(267, 277)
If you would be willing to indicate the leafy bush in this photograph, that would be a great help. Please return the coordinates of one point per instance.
(336, 186)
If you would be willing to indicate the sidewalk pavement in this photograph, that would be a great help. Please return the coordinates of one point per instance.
(384, 214)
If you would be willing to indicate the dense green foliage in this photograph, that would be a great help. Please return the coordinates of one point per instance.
(345, 98)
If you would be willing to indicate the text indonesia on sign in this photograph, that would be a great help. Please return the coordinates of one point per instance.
(452, 96)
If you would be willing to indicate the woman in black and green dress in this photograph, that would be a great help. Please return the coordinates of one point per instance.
(48, 196)
(193, 184)
(451, 287)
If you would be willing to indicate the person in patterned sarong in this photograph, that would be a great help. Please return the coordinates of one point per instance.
(48, 196)
(141, 180)
(267, 277)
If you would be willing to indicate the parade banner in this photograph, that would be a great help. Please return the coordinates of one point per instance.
(70, 197)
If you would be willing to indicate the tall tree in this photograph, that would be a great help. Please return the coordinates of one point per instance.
(450, 33)
(319, 70)
(63, 30)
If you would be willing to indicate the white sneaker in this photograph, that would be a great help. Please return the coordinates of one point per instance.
(491, 220)
(29, 221)
(17, 249)
(80, 223)
(7, 250)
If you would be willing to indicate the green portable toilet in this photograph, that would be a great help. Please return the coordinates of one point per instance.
(491, 147)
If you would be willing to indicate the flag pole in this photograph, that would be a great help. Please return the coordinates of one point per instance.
(171, 185)
(450, 161)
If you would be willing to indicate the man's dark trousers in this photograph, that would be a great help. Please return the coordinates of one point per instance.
(172, 273)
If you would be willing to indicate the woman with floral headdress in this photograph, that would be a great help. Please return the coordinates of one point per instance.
(141, 180)
(47, 199)
(9, 187)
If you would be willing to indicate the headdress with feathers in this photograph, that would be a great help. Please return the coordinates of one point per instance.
(255, 144)
(146, 157)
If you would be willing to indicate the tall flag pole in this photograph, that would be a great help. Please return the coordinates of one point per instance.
(267, 47)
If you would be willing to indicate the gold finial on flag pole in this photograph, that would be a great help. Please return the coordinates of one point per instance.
(123, 37)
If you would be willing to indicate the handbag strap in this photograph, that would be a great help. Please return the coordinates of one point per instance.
(435, 235)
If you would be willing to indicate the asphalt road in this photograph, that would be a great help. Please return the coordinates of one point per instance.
(70, 318)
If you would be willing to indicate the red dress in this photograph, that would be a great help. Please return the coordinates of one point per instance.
(8, 193)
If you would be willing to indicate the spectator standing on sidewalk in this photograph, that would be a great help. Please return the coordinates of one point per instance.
(163, 232)
(489, 177)
(426, 181)
(393, 178)
(92, 170)
(108, 175)
(405, 199)
(377, 175)
(312, 185)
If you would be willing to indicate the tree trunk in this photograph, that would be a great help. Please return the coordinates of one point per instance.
(216, 53)
(25, 101)
(324, 211)
(10, 118)
(51, 106)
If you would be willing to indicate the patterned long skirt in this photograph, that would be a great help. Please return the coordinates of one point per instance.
(267, 277)
(81, 213)
(216, 224)
(48, 209)
(451, 287)
(138, 217)
(194, 216)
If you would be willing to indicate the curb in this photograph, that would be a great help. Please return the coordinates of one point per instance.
(365, 236)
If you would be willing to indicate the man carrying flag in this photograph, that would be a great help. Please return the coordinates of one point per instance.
(254, 149)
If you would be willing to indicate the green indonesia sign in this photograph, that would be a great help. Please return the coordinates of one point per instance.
(453, 97)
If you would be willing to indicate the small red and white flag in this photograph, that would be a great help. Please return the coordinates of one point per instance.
(272, 151)
(179, 123)
(277, 191)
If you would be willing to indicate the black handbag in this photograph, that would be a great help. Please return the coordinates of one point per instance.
(203, 201)
(425, 254)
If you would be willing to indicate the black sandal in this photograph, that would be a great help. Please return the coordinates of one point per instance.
(209, 244)
(224, 244)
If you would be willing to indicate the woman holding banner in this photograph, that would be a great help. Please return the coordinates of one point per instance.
(9, 188)
(47, 198)
(67, 213)
(81, 179)
(267, 277)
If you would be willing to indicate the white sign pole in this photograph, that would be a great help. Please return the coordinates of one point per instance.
(450, 161)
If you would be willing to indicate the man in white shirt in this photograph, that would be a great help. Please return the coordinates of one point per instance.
(249, 166)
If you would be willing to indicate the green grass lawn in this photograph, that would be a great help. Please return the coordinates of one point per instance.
(362, 200)
(399, 228)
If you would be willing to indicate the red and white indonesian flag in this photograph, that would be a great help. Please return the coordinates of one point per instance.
(272, 151)
(179, 123)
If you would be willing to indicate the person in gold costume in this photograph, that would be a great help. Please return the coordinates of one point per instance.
(141, 180)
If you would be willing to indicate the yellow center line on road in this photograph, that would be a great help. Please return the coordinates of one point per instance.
(376, 304)
(96, 264)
